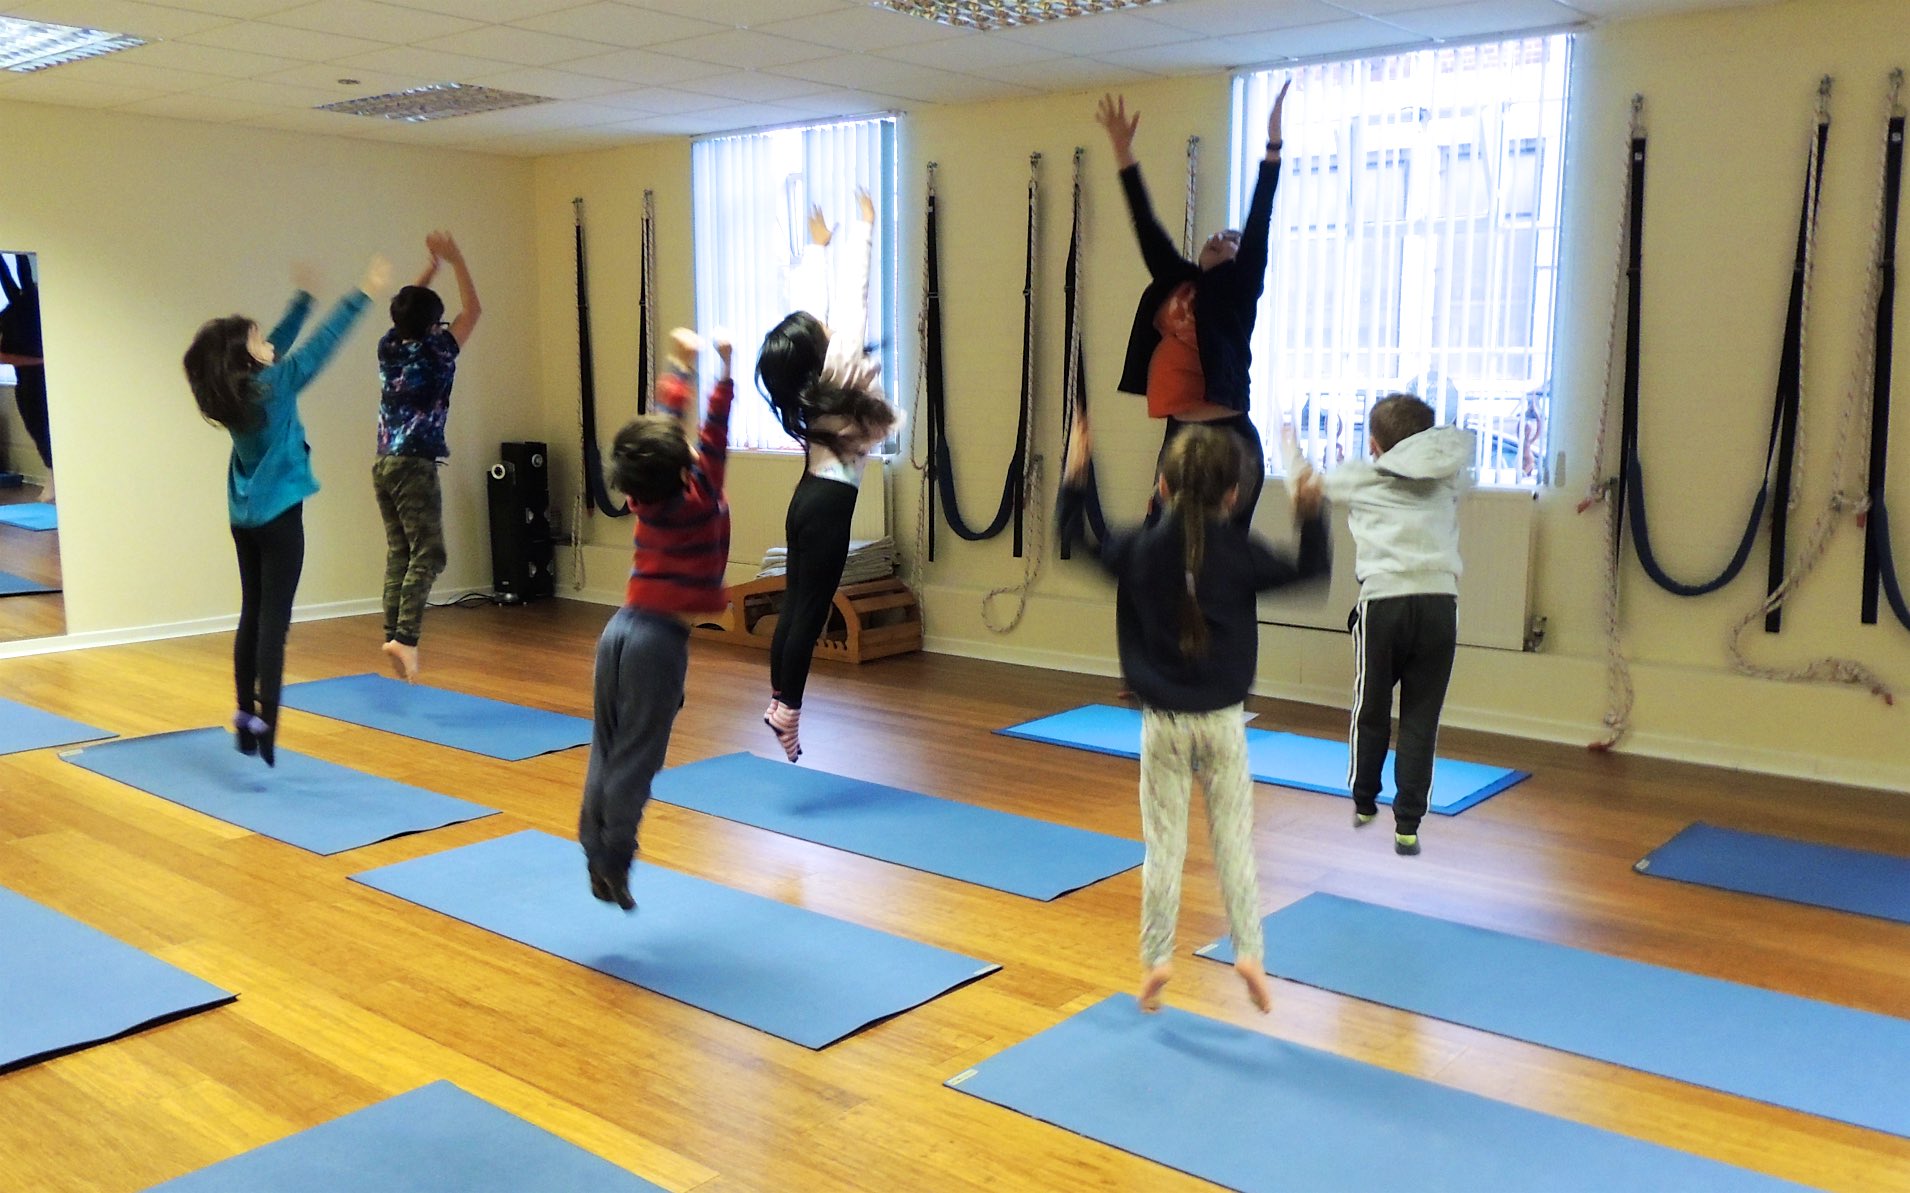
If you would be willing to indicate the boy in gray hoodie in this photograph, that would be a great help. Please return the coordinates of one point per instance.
(1403, 508)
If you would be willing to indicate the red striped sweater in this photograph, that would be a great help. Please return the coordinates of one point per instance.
(683, 542)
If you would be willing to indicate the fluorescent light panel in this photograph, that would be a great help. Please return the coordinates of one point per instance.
(434, 102)
(1004, 14)
(36, 45)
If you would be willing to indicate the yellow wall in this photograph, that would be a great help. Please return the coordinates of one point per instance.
(145, 227)
(1730, 94)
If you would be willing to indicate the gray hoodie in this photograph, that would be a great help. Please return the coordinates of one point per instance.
(1403, 509)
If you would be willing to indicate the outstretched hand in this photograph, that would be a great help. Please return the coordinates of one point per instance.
(1274, 119)
(818, 227)
(1112, 115)
(305, 276)
(723, 349)
(865, 205)
(1308, 494)
(377, 280)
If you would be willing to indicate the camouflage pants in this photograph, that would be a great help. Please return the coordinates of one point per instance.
(413, 509)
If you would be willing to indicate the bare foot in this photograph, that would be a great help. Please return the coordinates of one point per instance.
(404, 660)
(1152, 984)
(1254, 973)
(46, 492)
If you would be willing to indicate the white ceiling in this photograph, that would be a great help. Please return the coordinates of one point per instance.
(634, 70)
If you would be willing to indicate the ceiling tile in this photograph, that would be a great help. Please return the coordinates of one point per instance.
(1102, 33)
(431, 64)
(199, 107)
(1334, 37)
(119, 16)
(493, 10)
(49, 87)
(273, 95)
(643, 67)
(1224, 18)
(246, 9)
(747, 49)
(862, 30)
(282, 41)
(620, 25)
(1066, 74)
(119, 71)
(967, 53)
(210, 60)
(844, 103)
(520, 47)
(380, 22)
(886, 76)
(742, 14)
(1184, 57)
(368, 82)
(1484, 17)
(752, 87)
(737, 118)
(558, 84)
(660, 101)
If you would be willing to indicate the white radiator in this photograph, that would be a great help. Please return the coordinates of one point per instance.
(1496, 528)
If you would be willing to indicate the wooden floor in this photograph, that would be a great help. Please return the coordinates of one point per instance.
(34, 554)
(348, 996)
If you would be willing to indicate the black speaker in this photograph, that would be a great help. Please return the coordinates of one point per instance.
(522, 556)
(533, 471)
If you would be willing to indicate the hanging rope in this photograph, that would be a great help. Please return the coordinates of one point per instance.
(1074, 392)
(595, 491)
(1779, 446)
(1842, 498)
(1880, 571)
(647, 308)
(1608, 490)
(1193, 195)
(940, 474)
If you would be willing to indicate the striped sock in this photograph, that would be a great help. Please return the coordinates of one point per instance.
(785, 722)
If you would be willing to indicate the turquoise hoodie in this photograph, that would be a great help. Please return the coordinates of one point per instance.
(271, 469)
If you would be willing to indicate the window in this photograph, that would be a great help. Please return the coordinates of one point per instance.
(752, 194)
(1414, 247)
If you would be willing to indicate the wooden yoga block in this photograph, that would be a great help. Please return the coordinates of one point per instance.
(869, 621)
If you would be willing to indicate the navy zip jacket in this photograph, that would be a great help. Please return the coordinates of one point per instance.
(1236, 566)
(1226, 297)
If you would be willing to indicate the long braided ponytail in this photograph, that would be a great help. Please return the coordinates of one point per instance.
(1201, 468)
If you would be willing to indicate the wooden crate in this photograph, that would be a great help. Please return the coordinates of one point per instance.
(869, 621)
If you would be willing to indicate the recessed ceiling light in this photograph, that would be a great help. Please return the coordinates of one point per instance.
(434, 102)
(35, 45)
(1002, 14)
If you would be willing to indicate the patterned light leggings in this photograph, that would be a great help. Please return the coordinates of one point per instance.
(1173, 744)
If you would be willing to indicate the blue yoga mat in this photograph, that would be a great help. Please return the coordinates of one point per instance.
(12, 585)
(31, 515)
(23, 727)
(432, 1139)
(1283, 759)
(1788, 1051)
(1255, 1113)
(303, 801)
(64, 985)
(994, 849)
(493, 728)
(793, 973)
(1876, 884)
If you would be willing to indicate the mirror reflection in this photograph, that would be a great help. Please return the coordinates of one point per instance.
(31, 605)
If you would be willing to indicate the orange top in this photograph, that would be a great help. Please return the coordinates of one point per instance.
(1175, 384)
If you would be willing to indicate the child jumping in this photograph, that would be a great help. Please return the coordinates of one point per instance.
(682, 549)
(827, 394)
(417, 361)
(249, 384)
(1403, 508)
(1189, 640)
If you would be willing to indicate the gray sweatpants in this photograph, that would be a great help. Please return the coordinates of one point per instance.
(641, 661)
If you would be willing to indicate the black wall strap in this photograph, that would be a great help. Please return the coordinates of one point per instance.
(646, 308)
(1074, 385)
(1879, 568)
(595, 491)
(941, 467)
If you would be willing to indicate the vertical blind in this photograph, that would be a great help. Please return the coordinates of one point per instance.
(1414, 246)
(752, 193)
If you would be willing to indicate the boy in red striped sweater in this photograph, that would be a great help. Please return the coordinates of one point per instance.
(682, 549)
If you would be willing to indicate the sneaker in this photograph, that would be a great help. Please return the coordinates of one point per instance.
(1406, 844)
(1362, 819)
(248, 727)
(611, 888)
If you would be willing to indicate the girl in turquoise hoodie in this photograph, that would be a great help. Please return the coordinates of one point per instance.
(249, 384)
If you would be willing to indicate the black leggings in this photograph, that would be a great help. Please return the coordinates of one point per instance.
(818, 534)
(270, 559)
(1253, 465)
(29, 394)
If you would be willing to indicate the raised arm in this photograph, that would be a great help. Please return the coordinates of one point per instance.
(430, 270)
(468, 306)
(713, 444)
(298, 367)
(1162, 259)
(849, 298)
(1253, 234)
(1071, 507)
(285, 332)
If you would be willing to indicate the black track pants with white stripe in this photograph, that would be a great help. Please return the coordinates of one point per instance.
(1406, 641)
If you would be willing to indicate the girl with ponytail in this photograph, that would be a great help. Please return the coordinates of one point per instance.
(1185, 590)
